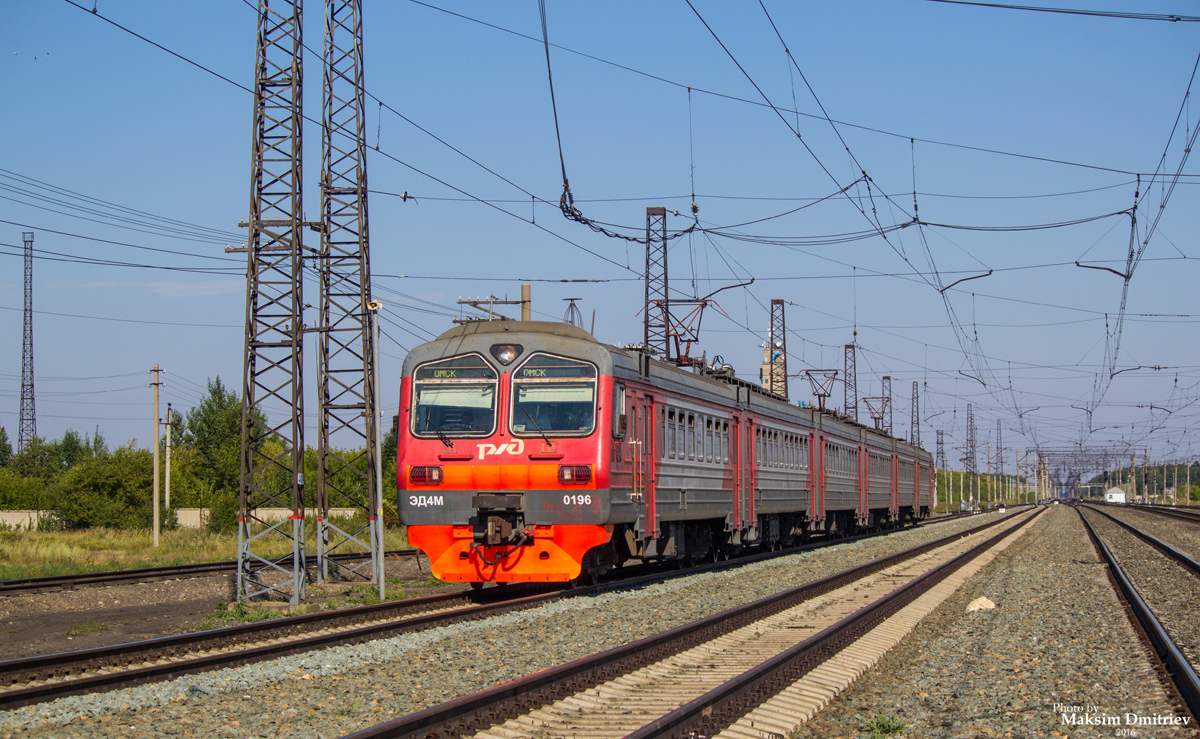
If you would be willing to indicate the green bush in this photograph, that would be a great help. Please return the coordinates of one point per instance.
(111, 491)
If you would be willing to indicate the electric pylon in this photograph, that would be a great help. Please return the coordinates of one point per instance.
(347, 473)
(656, 321)
(27, 429)
(272, 450)
(941, 451)
(775, 374)
(969, 462)
(851, 379)
(887, 409)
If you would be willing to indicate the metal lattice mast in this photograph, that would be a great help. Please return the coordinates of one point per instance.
(941, 451)
(999, 451)
(777, 339)
(914, 437)
(346, 467)
(851, 378)
(272, 450)
(657, 318)
(27, 429)
(887, 409)
(969, 463)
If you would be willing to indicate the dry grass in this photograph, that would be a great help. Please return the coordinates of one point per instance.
(39, 554)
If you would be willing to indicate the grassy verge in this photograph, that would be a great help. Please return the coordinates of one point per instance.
(41, 554)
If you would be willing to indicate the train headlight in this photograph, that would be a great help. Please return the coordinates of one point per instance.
(506, 353)
(425, 475)
(574, 474)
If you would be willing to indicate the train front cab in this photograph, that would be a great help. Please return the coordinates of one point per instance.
(500, 474)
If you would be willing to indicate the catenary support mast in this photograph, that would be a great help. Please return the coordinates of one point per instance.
(272, 445)
(657, 317)
(851, 379)
(776, 376)
(346, 443)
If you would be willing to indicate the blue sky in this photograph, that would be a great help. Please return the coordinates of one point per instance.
(998, 119)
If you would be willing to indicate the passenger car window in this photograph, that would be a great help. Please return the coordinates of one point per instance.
(454, 397)
(553, 396)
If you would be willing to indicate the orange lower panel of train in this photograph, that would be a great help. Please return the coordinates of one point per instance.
(554, 556)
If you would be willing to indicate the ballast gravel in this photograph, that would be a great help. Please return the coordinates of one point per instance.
(1181, 534)
(1057, 645)
(342, 689)
(1170, 590)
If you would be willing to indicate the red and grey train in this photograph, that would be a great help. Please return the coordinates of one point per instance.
(530, 452)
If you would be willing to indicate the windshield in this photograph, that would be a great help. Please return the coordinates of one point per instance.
(553, 395)
(455, 397)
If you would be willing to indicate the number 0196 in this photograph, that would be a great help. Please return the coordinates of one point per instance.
(577, 500)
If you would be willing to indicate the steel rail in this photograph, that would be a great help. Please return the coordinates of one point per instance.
(478, 711)
(149, 574)
(1172, 512)
(719, 708)
(47, 667)
(1153, 541)
(1180, 670)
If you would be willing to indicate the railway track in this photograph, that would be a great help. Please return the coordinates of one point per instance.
(702, 678)
(37, 679)
(1170, 512)
(1181, 671)
(150, 574)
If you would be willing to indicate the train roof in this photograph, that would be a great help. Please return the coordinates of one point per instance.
(557, 328)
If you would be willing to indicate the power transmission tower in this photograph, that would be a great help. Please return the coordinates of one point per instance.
(914, 436)
(887, 410)
(775, 373)
(941, 451)
(851, 378)
(656, 321)
(27, 428)
(272, 451)
(969, 463)
(346, 372)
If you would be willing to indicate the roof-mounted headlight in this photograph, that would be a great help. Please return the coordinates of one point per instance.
(506, 354)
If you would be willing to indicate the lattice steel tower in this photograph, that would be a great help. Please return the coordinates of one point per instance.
(999, 450)
(887, 412)
(851, 378)
(915, 435)
(27, 428)
(776, 376)
(347, 472)
(272, 450)
(968, 459)
(941, 451)
(657, 318)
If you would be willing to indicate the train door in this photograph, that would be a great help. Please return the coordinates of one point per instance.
(742, 443)
(748, 489)
(641, 441)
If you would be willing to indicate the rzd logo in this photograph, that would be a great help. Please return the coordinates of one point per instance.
(516, 446)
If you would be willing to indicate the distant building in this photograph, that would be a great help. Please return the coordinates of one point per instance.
(1114, 495)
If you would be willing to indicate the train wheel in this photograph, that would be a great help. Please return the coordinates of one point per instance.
(476, 586)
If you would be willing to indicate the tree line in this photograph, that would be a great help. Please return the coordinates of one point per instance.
(82, 483)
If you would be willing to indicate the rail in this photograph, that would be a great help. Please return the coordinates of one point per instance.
(1181, 672)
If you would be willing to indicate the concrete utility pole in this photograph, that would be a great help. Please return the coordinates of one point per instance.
(155, 385)
(526, 303)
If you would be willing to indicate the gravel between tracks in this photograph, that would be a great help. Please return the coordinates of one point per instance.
(1181, 534)
(1171, 590)
(345, 688)
(1058, 634)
